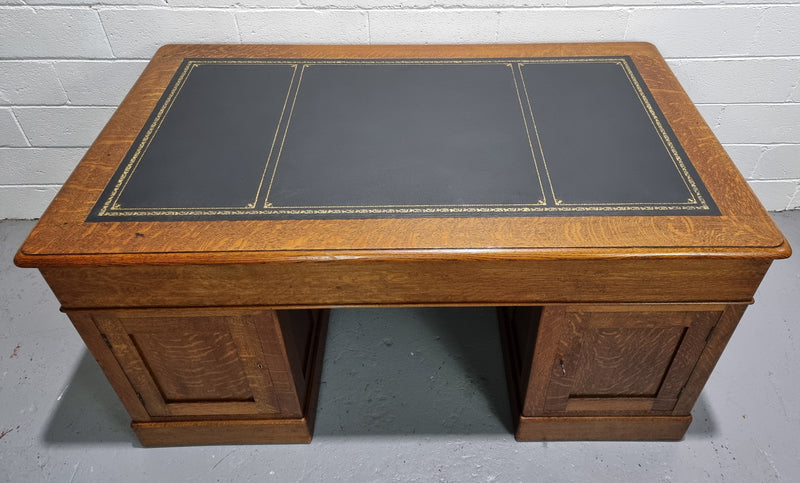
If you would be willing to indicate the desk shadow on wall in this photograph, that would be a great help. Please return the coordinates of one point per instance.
(413, 371)
(89, 411)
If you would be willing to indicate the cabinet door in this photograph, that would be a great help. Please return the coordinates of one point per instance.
(617, 359)
(205, 363)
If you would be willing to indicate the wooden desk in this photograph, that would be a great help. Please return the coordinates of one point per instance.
(236, 193)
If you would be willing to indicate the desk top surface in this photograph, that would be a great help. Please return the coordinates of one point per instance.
(239, 153)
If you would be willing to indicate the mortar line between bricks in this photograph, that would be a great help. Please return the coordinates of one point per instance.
(369, 28)
(794, 201)
(764, 104)
(60, 84)
(43, 147)
(750, 103)
(74, 59)
(301, 6)
(62, 106)
(773, 145)
(795, 90)
(105, 32)
(46, 185)
(19, 126)
(757, 30)
(733, 57)
(774, 180)
(238, 29)
(752, 173)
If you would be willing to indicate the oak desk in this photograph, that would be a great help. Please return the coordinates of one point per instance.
(239, 191)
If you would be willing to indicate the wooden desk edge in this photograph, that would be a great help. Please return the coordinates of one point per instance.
(181, 50)
(26, 260)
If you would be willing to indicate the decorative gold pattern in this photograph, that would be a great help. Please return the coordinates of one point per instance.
(112, 208)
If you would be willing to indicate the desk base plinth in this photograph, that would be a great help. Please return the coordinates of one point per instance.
(188, 433)
(608, 428)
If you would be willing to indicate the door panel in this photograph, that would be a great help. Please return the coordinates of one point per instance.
(617, 359)
(186, 363)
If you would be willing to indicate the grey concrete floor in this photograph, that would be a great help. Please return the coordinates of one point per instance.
(407, 395)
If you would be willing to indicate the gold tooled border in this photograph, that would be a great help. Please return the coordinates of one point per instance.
(111, 206)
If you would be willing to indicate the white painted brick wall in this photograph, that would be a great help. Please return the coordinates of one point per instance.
(39, 166)
(66, 64)
(698, 31)
(40, 85)
(718, 81)
(51, 32)
(778, 162)
(303, 26)
(562, 25)
(754, 123)
(62, 126)
(433, 26)
(139, 32)
(97, 82)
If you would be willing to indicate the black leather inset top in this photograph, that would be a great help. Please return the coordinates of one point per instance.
(253, 138)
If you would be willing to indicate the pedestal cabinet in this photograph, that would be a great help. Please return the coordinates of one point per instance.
(636, 368)
(188, 373)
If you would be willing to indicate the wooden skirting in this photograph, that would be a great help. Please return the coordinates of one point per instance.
(186, 433)
(607, 428)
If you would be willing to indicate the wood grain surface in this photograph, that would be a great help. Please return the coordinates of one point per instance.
(608, 372)
(216, 429)
(384, 283)
(616, 359)
(179, 363)
(62, 238)
(209, 432)
(602, 428)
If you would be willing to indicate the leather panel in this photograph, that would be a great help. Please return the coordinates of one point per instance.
(283, 139)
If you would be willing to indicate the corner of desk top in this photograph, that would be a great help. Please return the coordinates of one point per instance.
(784, 250)
(23, 259)
(33, 254)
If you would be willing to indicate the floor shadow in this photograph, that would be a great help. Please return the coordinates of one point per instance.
(703, 424)
(413, 371)
(89, 411)
(386, 371)
(471, 336)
